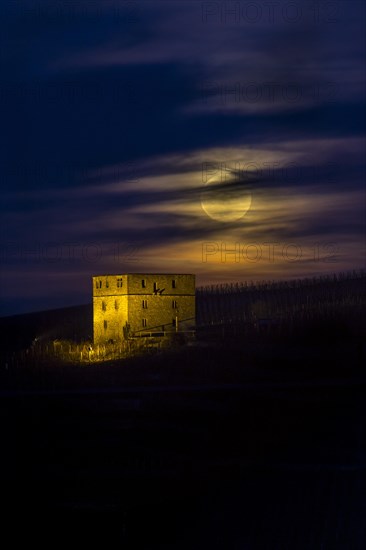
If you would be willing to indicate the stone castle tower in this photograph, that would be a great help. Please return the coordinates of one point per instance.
(142, 304)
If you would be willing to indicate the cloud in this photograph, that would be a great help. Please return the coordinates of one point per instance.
(115, 116)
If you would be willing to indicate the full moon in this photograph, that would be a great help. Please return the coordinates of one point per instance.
(225, 202)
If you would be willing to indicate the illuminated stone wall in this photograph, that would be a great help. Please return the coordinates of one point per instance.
(109, 307)
(148, 302)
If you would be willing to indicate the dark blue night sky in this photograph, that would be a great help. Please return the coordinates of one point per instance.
(225, 139)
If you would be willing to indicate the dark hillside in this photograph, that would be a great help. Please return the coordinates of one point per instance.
(252, 438)
(316, 310)
(72, 323)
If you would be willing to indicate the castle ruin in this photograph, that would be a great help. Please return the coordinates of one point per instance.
(142, 304)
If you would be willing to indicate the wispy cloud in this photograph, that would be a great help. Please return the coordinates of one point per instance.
(158, 127)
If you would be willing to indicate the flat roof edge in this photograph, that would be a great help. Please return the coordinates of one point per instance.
(143, 273)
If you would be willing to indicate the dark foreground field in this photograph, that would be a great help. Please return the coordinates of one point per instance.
(207, 447)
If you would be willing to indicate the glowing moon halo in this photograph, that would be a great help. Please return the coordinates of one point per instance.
(225, 202)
